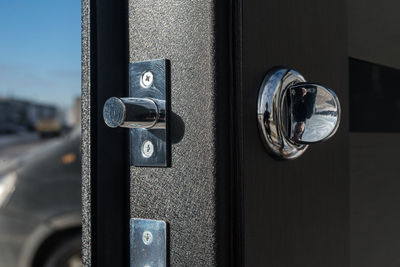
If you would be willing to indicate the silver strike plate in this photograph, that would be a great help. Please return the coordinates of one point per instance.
(151, 79)
(148, 243)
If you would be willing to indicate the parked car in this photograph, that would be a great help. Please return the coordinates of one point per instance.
(40, 206)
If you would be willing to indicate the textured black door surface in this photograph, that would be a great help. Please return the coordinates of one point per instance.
(295, 213)
(226, 201)
(193, 195)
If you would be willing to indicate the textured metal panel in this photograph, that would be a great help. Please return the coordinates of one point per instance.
(185, 194)
(85, 143)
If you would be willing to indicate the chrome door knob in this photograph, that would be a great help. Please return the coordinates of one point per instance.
(131, 112)
(293, 113)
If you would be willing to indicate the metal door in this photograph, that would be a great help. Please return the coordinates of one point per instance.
(225, 200)
(193, 195)
(296, 212)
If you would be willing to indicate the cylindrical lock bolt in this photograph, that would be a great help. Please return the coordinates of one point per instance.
(134, 113)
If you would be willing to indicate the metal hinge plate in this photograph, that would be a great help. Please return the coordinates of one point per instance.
(148, 243)
(151, 147)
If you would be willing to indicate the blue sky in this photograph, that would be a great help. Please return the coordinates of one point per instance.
(40, 50)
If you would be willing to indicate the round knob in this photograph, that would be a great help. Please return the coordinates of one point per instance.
(293, 113)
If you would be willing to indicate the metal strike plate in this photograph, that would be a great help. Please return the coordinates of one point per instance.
(148, 243)
(151, 79)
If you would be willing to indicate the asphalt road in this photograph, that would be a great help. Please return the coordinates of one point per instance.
(13, 146)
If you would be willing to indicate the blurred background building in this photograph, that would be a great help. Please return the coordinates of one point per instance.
(40, 161)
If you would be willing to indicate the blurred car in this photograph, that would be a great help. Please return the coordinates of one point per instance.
(48, 127)
(40, 206)
(11, 128)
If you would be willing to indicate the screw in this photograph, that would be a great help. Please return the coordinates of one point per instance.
(147, 79)
(147, 237)
(147, 149)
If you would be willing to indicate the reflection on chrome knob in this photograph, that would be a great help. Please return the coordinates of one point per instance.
(293, 113)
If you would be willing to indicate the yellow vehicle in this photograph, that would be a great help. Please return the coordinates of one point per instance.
(48, 127)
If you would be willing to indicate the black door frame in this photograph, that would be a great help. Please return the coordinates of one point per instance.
(108, 213)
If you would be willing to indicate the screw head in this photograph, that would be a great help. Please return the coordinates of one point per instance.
(147, 237)
(147, 149)
(147, 79)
